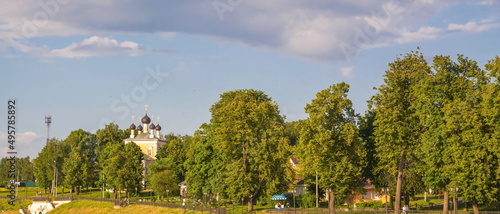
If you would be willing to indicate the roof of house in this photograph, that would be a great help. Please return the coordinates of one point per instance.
(294, 160)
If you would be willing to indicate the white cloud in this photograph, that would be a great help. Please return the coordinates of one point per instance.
(27, 144)
(90, 47)
(347, 72)
(99, 46)
(472, 27)
(431, 33)
(314, 30)
(167, 35)
(424, 33)
(486, 2)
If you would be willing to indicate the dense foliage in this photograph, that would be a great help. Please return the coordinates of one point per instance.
(431, 125)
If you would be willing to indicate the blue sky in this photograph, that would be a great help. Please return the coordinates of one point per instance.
(92, 62)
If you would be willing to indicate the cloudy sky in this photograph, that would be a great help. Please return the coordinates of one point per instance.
(88, 63)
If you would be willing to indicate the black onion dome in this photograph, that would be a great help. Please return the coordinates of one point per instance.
(158, 127)
(152, 126)
(146, 119)
(132, 127)
(139, 128)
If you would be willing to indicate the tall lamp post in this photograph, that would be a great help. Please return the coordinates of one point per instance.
(54, 179)
(294, 192)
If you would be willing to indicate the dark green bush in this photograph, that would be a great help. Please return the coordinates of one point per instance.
(369, 204)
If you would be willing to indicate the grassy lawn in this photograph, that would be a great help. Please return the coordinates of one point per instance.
(22, 191)
(5, 207)
(86, 206)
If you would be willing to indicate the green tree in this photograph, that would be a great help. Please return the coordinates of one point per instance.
(452, 110)
(162, 181)
(397, 126)
(173, 155)
(204, 165)
(107, 138)
(329, 143)
(366, 128)
(123, 168)
(81, 160)
(292, 131)
(24, 168)
(110, 134)
(249, 137)
(491, 111)
(52, 153)
(77, 170)
(475, 164)
(134, 168)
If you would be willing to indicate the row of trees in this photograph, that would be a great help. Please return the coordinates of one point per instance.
(86, 160)
(439, 124)
(429, 126)
(24, 170)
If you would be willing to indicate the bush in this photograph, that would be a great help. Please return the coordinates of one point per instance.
(306, 200)
(369, 204)
(107, 195)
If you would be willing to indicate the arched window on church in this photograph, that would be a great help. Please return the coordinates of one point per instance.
(150, 150)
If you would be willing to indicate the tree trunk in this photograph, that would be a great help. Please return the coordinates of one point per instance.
(331, 202)
(250, 205)
(475, 207)
(399, 184)
(446, 201)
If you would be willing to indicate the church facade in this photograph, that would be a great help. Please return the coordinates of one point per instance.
(148, 138)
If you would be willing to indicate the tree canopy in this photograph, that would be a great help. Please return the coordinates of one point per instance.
(330, 145)
(249, 138)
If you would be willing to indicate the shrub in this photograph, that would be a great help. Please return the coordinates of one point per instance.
(306, 200)
(369, 204)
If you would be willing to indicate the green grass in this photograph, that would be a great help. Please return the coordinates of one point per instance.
(18, 204)
(97, 207)
(22, 191)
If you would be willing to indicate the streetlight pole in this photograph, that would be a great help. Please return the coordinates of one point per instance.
(205, 194)
(294, 191)
(54, 179)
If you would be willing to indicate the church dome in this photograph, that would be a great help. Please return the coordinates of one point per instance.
(158, 127)
(139, 128)
(132, 127)
(146, 119)
(152, 126)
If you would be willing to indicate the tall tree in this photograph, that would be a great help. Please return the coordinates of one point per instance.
(366, 128)
(77, 169)
(173, 155)
(204, 165)
(49, 159)
(24, 168)
(110, 134)
(134, 169)
(491, 111)
(397, 126)
(107, 138)
(475, 162)
(249, 137)
(330, 145)
(123, 168)
(81, 160)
